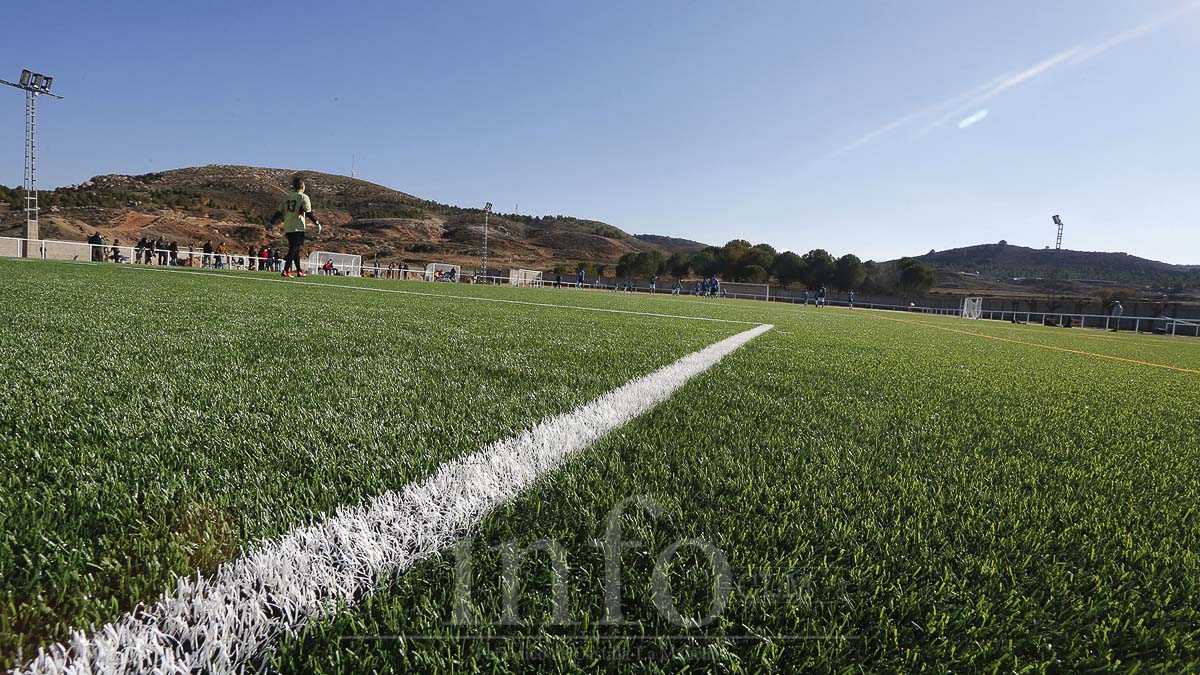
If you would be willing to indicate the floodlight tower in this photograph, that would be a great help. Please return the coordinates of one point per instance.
(34, 85)
(487, 209)
(1058, 243)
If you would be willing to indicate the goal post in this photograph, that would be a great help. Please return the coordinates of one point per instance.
(972, 308)
(343, 264)
(525, 278)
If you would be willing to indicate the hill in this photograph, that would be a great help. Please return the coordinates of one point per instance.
(1008, 264)
(672, 244)
(232, 204)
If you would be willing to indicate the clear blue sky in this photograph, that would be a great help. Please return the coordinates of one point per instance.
(842, 125)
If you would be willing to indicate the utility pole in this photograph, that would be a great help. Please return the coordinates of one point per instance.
(487, 209)
(34, 85)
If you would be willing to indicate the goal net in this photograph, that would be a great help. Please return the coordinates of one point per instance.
(340, 264)
(524, 278)
(972, 308)
(442, 272)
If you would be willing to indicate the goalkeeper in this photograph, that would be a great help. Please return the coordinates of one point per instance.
(293, 211)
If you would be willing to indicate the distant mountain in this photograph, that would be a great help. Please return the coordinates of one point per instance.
(1006, 262)
(665, 243)
(232, 204)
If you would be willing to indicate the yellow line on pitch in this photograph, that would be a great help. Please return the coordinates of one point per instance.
(1035, 344)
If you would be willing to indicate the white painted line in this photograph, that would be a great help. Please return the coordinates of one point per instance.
(317, 282)
(223, 624)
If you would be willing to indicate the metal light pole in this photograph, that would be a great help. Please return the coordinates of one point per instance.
(487, 209)
(34, 85)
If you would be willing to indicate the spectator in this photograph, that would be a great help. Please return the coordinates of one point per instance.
(160, 247)
(1117, 311)
(115, 251)
(206, 258)
(173, 253)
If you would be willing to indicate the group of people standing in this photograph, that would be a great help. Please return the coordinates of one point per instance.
(395, 271)
(708, 287)
(263, 259)
(147, 251)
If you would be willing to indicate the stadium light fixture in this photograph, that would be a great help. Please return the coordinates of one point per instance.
(34, 85)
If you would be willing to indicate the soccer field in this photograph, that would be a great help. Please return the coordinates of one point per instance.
(836, 489)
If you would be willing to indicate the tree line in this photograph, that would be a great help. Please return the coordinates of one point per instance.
(739, 261)
(73, 198)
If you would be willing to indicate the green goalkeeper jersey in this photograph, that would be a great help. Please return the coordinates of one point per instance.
(293, 209)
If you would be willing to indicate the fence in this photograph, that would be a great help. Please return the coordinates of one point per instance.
(49, 249)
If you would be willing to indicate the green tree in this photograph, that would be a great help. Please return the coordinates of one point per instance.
(705, 262)
(730, 257)
(818, 268)
(788, 268)
(648, 263)
(766, 248)
(761, 256)
(754, 274)
(878, 278)
(915, 277)
(679, 265)
(848, 273)
(625, 265)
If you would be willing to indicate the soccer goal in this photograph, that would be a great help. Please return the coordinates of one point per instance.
(525, 278)
(972, 308)
(340, 264)
(442, 272)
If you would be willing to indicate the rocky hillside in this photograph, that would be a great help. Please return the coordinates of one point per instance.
(232, 204)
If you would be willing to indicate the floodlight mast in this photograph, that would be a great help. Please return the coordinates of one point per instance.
(1058, 243)
(34, 85)
(487, 209)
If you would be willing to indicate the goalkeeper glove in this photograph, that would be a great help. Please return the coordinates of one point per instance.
(319, 228)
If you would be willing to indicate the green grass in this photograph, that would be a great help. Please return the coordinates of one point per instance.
(889, 495)
(158, 423)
